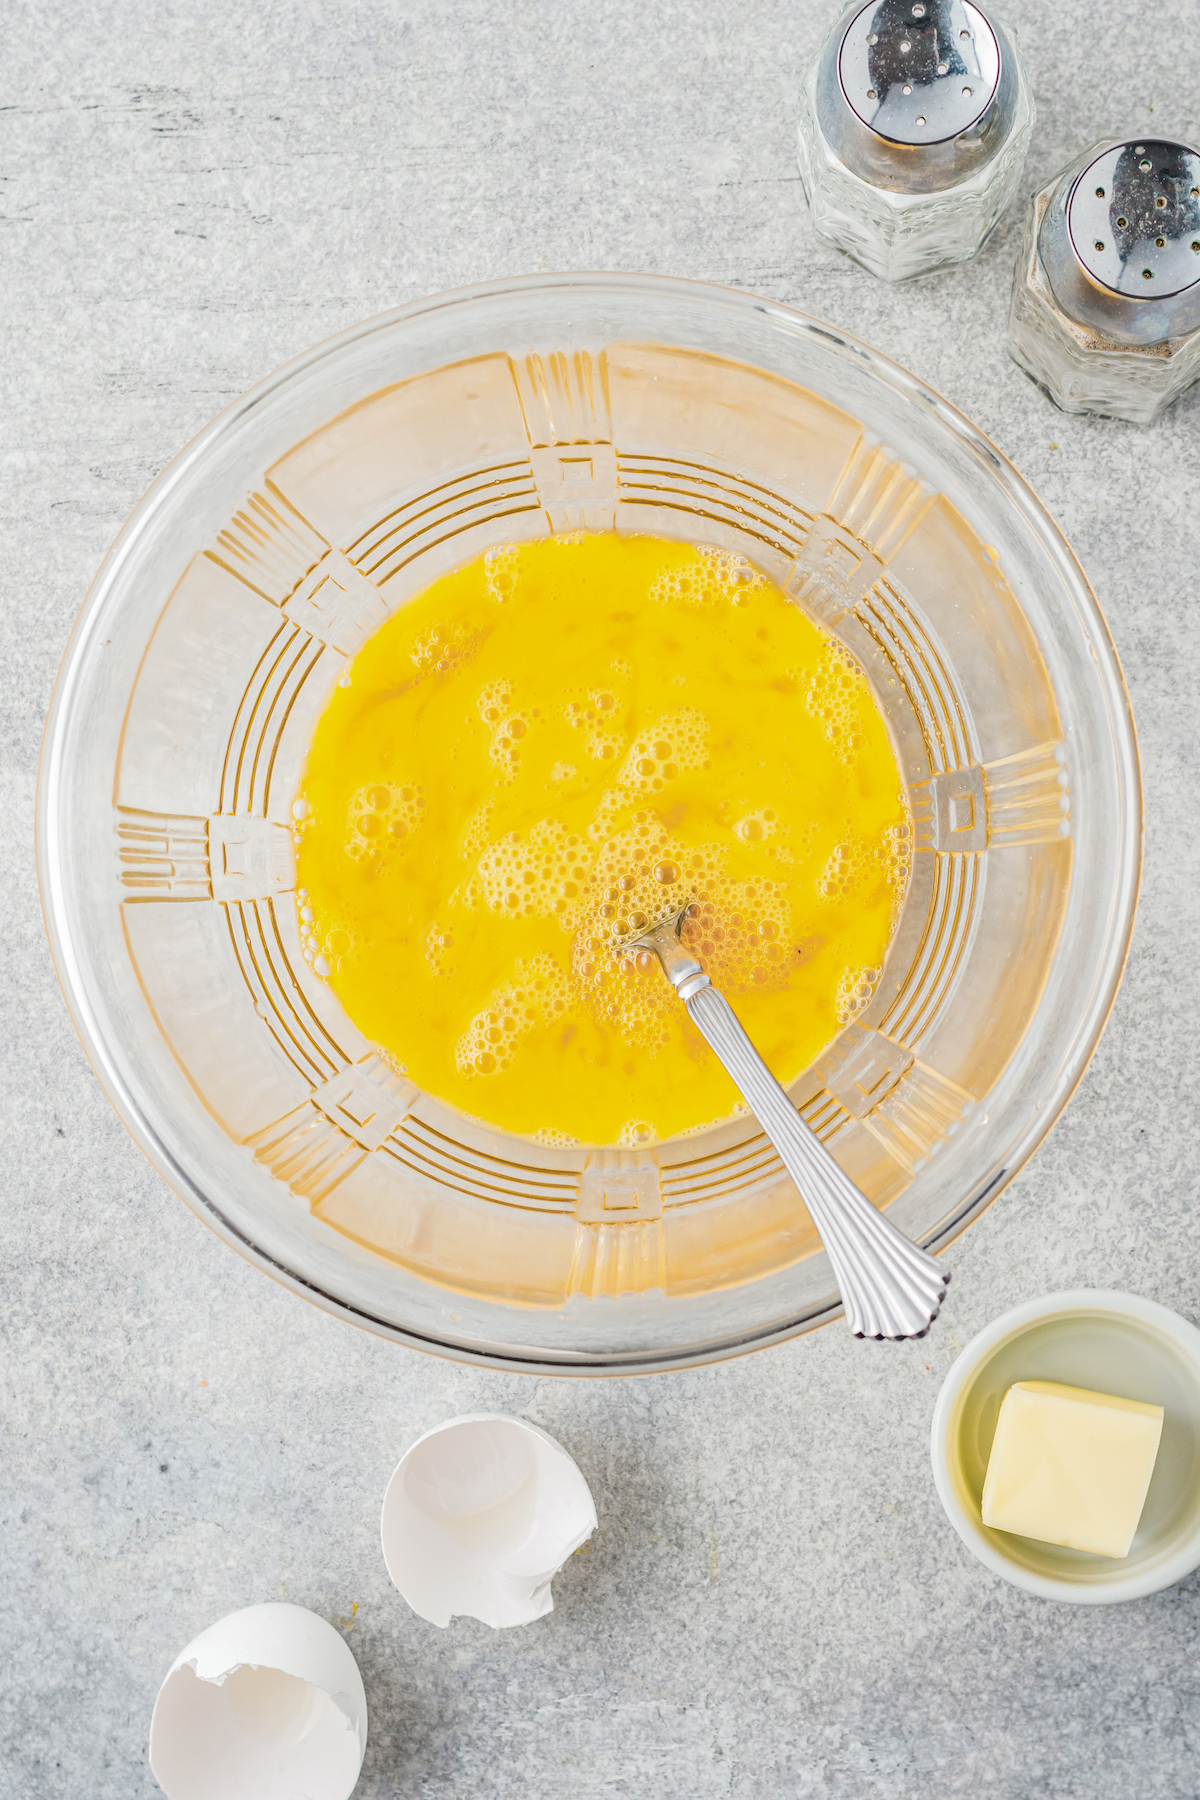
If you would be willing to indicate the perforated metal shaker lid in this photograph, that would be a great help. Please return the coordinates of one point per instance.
(915, 94)
(919, 71)
(1121, 240)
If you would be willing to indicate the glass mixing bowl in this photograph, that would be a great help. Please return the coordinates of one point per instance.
(258, 563)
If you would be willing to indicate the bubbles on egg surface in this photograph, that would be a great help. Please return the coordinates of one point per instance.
(555, 1140)
(445, 647)
(844, 868)
(603, 895)
(323, 947)
(597, 714)
(637, 877)
(382, 816)
(537, 876)
(756, 827)
(535, 997)
(898, 853)
(854, 991)
(740, 931)
(617, 777)
(475, 837)
(837, 696)
(854, 860)
(716, 577)
(500, 570)
(585, 709)
(439, 946)
(673, 744)
(508, 723)
(493, 700)
(897, 864)
(632, 1001)
(468, 894)
(737, 928)
(696, 1130)
(303, 819)
(635, 1132)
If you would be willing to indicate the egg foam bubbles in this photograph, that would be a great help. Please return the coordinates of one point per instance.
(553, 746)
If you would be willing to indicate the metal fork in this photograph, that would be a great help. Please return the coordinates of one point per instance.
(889, 1288)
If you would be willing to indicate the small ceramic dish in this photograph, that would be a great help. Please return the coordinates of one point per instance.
(1090, 1338)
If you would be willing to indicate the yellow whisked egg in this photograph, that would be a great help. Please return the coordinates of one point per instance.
(555, 745)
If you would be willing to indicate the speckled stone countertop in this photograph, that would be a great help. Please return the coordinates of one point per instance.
(773, 1603)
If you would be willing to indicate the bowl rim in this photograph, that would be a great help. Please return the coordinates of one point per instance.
(966, 1521)
(52, 875)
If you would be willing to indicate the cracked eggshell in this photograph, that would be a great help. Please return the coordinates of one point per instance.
(267, 1704)
(478, 1517)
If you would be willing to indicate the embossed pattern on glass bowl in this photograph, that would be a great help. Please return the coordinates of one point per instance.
(332, 492)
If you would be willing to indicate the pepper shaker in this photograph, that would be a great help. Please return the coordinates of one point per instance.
(1105, 310)
(915, 116)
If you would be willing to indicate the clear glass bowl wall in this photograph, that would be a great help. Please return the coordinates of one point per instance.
(338, 488)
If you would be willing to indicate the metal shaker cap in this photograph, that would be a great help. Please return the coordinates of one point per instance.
(916, 95)
(1121, 241)
(919, 71)
(1134, 219)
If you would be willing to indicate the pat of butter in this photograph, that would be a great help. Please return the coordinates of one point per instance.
(1071, 1467)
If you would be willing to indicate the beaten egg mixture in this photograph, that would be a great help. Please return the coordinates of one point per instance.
(554, 745)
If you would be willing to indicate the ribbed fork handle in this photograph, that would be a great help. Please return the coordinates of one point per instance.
(889, 1288)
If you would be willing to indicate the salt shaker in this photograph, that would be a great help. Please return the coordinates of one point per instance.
(1106, 295)
(915, 116)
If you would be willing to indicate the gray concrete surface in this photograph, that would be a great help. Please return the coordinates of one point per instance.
(773, 1604)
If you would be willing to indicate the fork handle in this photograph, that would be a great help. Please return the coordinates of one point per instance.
(889, 1287)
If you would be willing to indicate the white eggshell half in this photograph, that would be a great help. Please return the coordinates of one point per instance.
(478, 1517)
(267, 1704)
